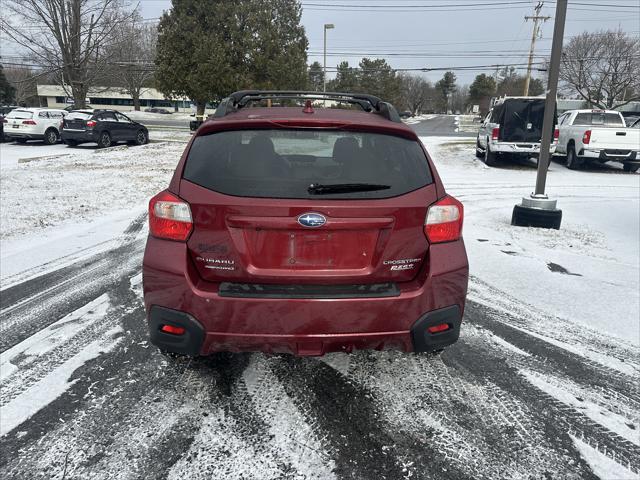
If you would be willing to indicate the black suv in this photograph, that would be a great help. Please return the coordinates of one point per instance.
(104, 127)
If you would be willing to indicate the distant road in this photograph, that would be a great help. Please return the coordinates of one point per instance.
(440, 126)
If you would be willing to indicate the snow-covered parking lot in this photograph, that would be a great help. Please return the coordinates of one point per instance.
(544, 382)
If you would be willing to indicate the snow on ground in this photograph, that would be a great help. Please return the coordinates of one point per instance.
(587, 272)
(417, 119)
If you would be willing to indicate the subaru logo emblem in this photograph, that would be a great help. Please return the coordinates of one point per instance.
(312, 220)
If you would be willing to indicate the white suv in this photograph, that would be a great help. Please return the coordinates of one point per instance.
(24, 124)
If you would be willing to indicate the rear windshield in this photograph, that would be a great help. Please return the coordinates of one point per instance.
(20, 114)
(80, 115)
(599, 118)
(284, 163)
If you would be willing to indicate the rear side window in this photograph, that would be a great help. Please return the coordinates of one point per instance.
(284, 163)
(598, 118)
(20, 114)
(78, 115)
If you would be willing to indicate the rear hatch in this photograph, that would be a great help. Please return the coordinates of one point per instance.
(16, 118)
(521, 120)
(77, 120)
(612, 138)
(315, 206)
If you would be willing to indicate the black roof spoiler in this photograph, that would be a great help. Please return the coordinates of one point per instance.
(369, 103)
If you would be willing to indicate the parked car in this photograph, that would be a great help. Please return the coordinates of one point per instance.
(598, 135)
(406, 114)
(157, 110)
(304, 230)
(512, 128)
(104, 127)
(23, 124)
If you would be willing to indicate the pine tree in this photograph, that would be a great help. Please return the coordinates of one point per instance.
(316, 77)
(445, 87)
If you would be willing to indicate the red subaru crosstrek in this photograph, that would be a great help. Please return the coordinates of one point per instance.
(304, 230)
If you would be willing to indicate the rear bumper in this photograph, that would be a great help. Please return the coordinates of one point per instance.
(519, 148)
(303, 326)
(607, 155)
(79, 136)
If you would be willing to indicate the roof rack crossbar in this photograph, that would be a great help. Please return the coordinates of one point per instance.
(368, 103)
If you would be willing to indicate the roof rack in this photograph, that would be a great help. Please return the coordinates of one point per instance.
(369, 103)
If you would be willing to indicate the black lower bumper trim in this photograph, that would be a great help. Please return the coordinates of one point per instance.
(254, 290)
(423, 341)
(189, 343)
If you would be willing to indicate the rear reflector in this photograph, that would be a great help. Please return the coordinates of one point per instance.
(444, 221)
(172, 330)
(169, 217)
(438, 328)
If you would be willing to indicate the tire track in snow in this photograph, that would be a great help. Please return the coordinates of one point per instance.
(559, 419)
(346, 412)
(37, 303)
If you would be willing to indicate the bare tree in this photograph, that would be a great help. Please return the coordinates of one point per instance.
(24, 81)
(68, 37)
(603, 68)
(415, 92)
(134, 52)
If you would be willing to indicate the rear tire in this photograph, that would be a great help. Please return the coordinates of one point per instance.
(51, 136)
(105, 140)
(627, 167)
(573, 161)
(489, 157)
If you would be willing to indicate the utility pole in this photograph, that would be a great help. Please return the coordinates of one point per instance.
(536, 33)
(538, 210)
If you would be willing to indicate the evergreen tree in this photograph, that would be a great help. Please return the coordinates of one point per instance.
(445, 88)
(278, 47)
(210, 48)
(378, 78)
(347, 79)
(481, 91)
(316, 77)
(6, 89)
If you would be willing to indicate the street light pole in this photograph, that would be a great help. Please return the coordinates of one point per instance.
(538, 210)
(327, 26)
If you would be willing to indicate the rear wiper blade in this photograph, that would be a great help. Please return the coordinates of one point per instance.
(319, 189)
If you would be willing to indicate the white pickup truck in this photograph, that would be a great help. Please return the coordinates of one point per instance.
(597, 135)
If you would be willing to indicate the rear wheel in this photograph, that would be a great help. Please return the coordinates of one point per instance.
(573, 161)
(50, 136)
(489, 157)
(628, 167)
(105, 140)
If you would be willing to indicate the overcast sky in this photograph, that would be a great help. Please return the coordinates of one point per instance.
(439, 33)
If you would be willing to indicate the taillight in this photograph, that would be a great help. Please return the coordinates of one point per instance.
(444, 221)
(169, 217)
(494, 133)
(586, 138)
(29, 122)
(91, 123)
(556, 135)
